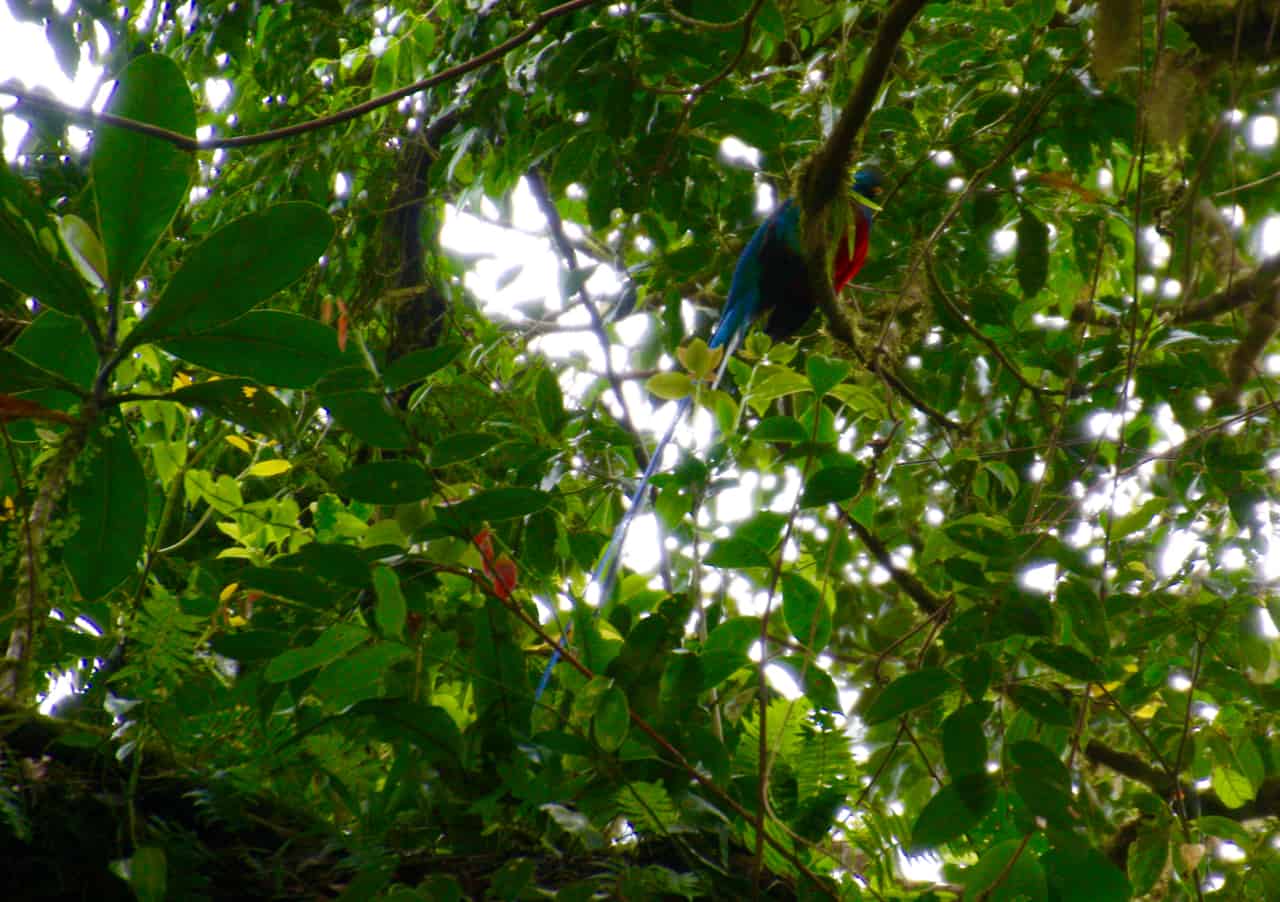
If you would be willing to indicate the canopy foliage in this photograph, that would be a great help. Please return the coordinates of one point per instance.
(978, 565)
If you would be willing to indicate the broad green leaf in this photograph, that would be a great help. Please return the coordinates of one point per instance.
(726, 649)
(1006, 872)
(779, 429)
(550, 402)
(429, 727)
(85, 250)
(461, 447)
(270, 347)
(1226, 828)
(250, 645)
(32, 259)
(670, 386)
(778, 385)
(1147, 858)
(235, 269)
(149, 874)
(140, 181)
(1043, 782)
(950, 813)
(806, 612)
(358, 676)
(908, 692)
(284, 582)
(611, 722)
(239, 401)
(1068, 660)
(19, 375)
(825, 373)
(735, 553)
(699, 360)
(332, 644)
(834, 484)
(61, 345)
(1231, 786)
(496, 504)
(390, 611)
(109, 501)
(419, 365)
(367, 416)
(1079, 873)
(1087, 614)
(964, 742)
(386, 482)
(1041, 704)
(1032, 254)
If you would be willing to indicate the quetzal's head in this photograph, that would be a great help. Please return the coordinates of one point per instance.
(867, 184)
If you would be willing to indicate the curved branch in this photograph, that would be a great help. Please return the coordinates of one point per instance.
(89, 118)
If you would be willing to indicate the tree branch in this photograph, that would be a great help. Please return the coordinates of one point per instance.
(89, 119)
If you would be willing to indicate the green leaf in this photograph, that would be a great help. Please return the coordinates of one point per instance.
(32, 259)
(1032, 256)
(1087, 614)
(332, 644)
(110, 504)
(670, 386)
(496, 504)
(825, 373)
(779, 429)
(1147, 858)
(367, 416)
(736, 553)
(1040, 704)
(1079, 873)
(461, 447)
(140, 181)
(238, 401)
(235, 269)
(908, 692)
(148, 874)
(1007, 871)
(386, 482)
(726, 649)
(1226, 828)
(61, 345)
(270, 347)
(1043, 782)
(1068, 660)
(429, 727)
(358, 676)
(1231, 786)
(611, 722)
(806, 613)
(964, 743)
(86, 251)
(550, 402)
(391, 610)
(19, 375)
(833, 484)
(951, 813)
(419, 365)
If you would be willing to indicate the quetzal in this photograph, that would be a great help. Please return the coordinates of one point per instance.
(770, 281)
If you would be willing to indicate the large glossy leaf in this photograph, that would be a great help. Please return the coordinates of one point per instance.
(109, 501)
(387, 482)
(240, 401)
(32, 258)
(806, 613)
(236, 268)
(908, 692)
(268, 346)
(140, 181)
